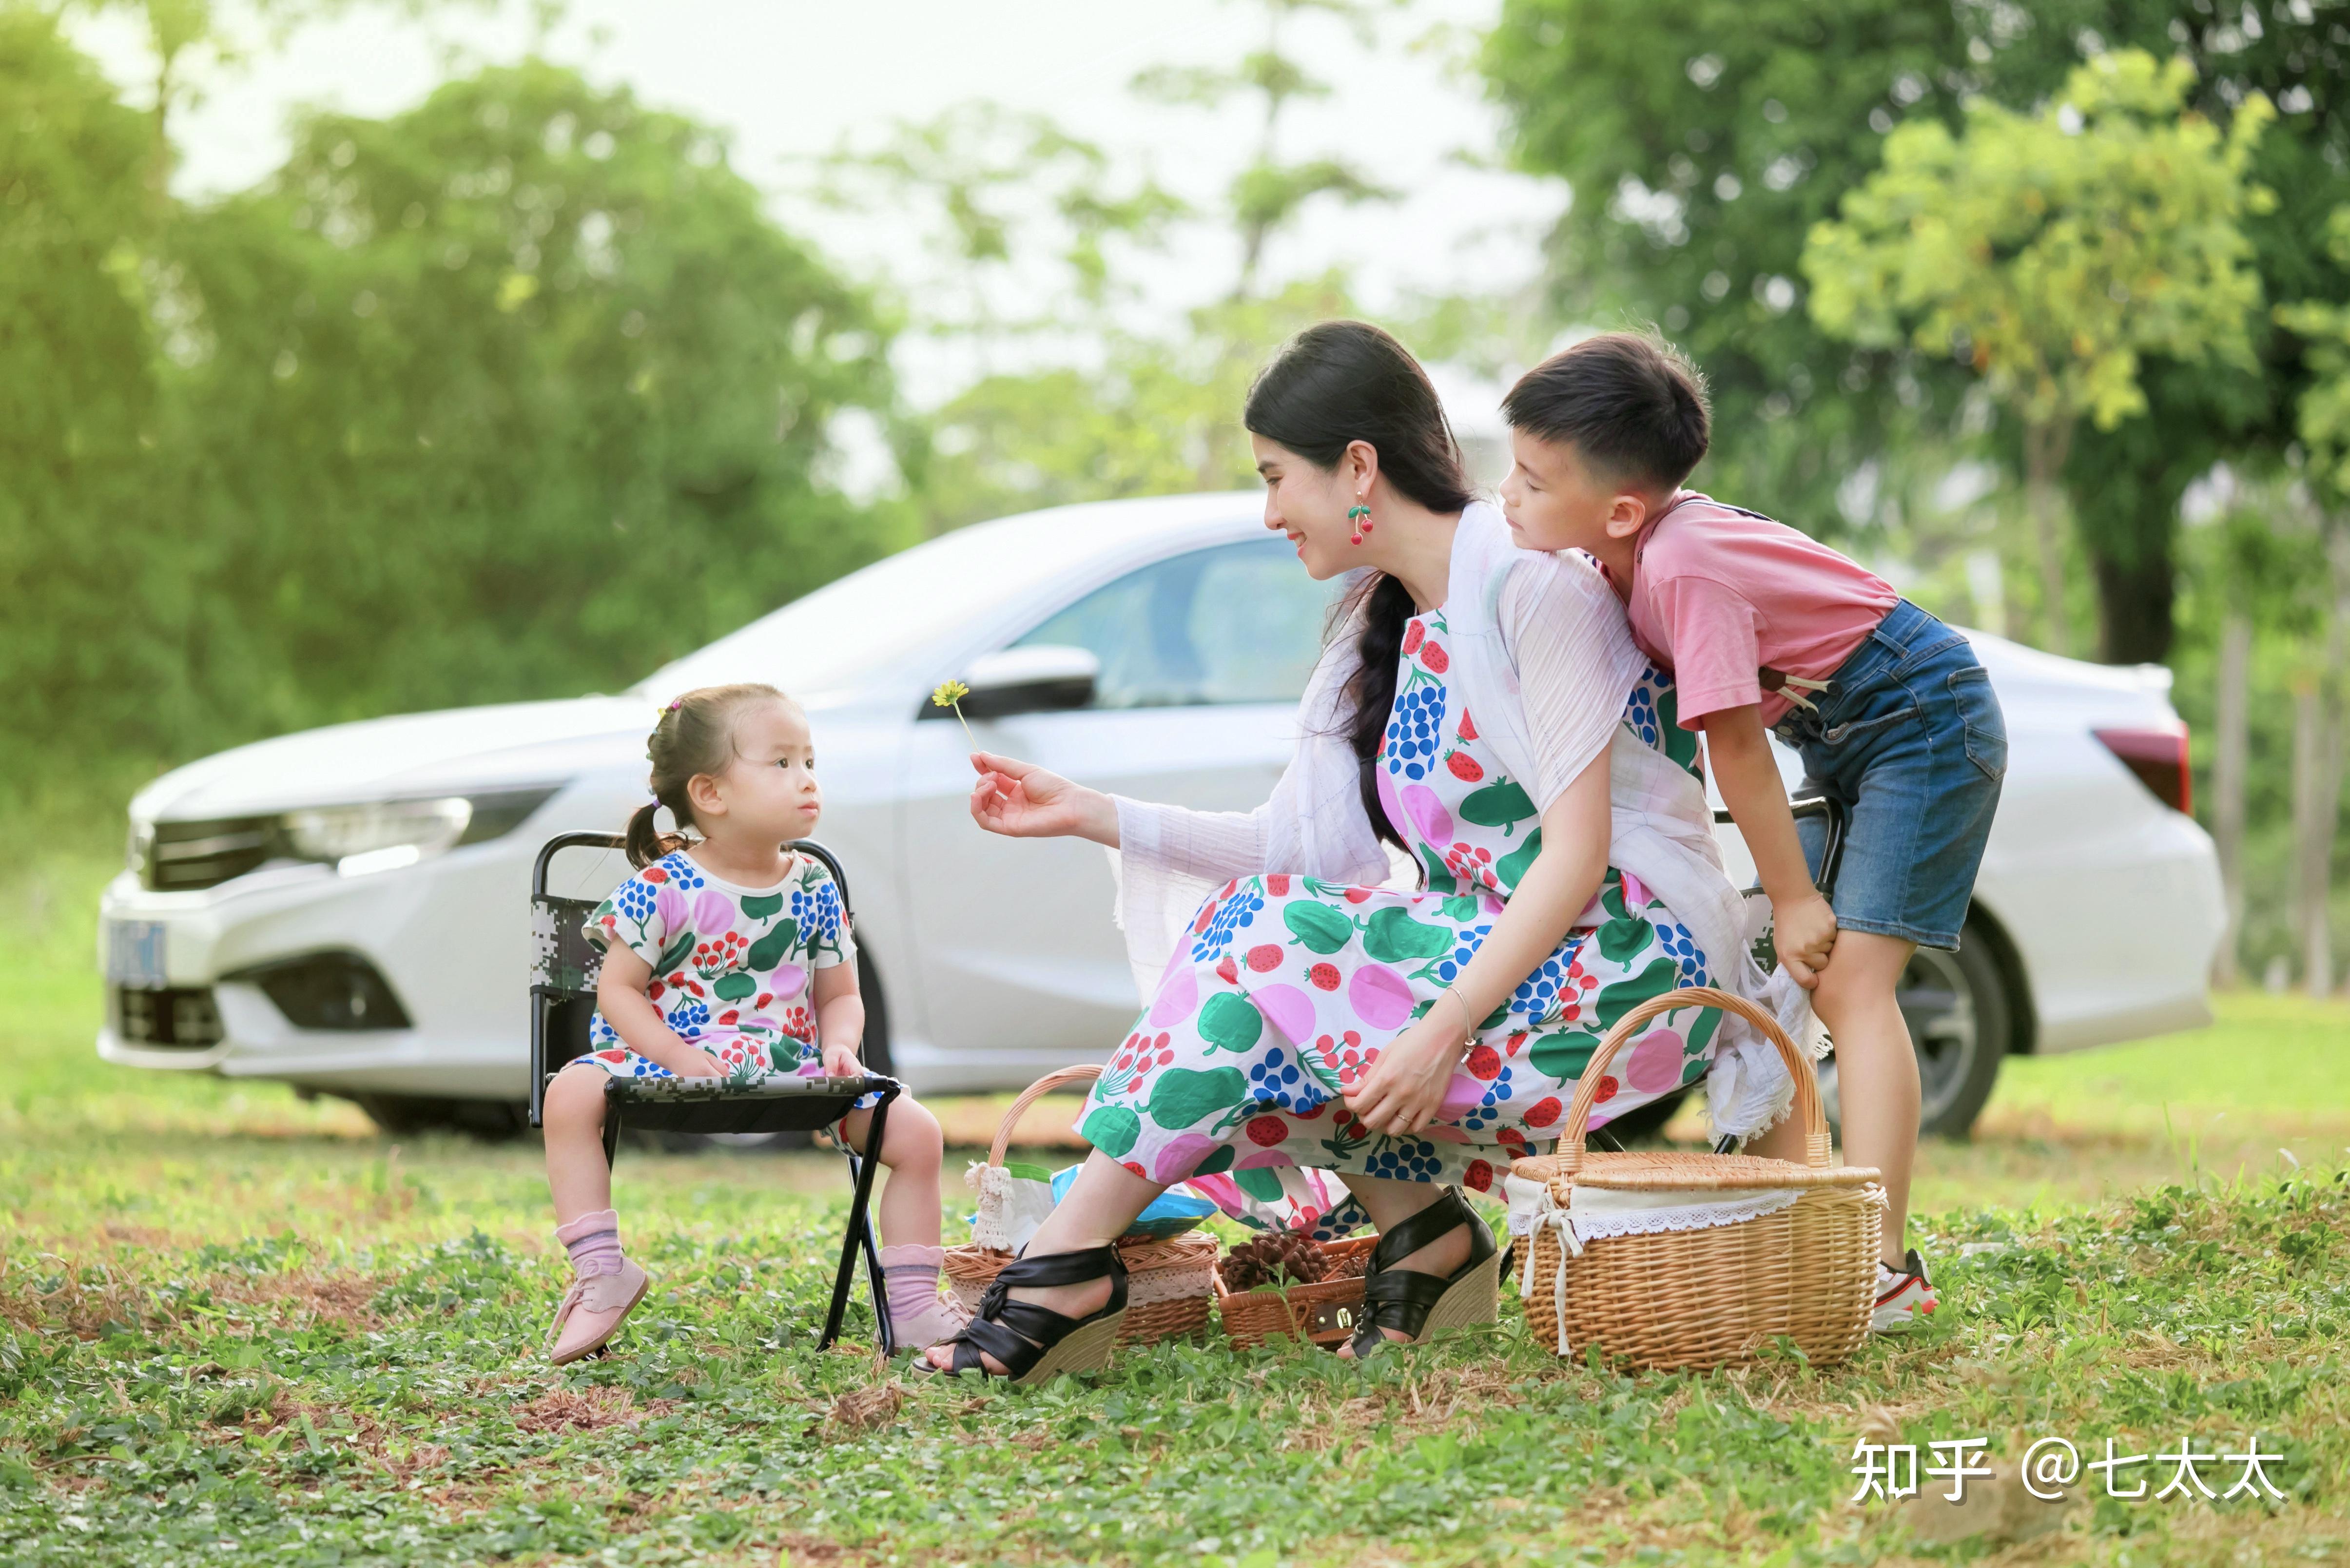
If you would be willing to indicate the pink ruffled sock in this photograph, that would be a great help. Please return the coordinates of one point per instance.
(910, 1275)
(594, 1242)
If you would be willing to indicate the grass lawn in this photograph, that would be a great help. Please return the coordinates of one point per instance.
(236, 1326)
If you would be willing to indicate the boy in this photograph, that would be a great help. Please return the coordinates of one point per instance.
(1768, 631)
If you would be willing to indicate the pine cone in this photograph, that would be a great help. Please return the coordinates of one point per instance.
(1275, 1258)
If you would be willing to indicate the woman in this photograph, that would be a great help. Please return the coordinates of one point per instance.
(1310, 1018)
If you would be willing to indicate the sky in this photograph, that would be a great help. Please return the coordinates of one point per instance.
(789, 80)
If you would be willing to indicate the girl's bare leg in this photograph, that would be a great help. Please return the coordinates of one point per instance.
(1101, 1203)
(912, 1150)
(577, 1176)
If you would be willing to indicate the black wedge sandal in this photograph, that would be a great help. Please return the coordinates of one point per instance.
(1034, 1343)
(1425, 1305)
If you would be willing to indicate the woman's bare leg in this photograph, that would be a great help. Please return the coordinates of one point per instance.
(1389, 1204)
(1100, 1204)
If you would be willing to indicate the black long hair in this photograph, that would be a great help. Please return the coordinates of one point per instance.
(1344, 381)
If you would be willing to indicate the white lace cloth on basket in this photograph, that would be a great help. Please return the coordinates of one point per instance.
(1597, 1213)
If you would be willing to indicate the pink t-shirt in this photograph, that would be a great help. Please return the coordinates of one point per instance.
(1718, 593)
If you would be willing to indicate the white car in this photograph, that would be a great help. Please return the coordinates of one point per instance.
(346, 909)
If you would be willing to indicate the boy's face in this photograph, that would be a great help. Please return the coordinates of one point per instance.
(1553, 500)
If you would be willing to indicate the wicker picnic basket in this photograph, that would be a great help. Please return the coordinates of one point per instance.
(1326, 1312)
(1168, 1283)
(1708, 1296)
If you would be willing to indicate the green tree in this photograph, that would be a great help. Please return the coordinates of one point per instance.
(1704, 138)
(78, 414)
(517, 394)
(522, 385)
(2051, 251)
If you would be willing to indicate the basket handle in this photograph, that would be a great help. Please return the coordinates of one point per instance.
(1084, 1074)
(1799, 1067)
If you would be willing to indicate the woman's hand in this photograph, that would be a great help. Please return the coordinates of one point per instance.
(1403, 1090)
(1020, 800)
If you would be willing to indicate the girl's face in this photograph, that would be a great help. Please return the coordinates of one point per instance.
(768, 795)
(1309, 503)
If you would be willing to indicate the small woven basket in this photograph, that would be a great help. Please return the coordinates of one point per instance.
(1324, 1311)
(1168, 1283)
(1704, 1298)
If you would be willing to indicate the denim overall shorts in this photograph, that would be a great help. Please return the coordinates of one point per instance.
(1908, 736)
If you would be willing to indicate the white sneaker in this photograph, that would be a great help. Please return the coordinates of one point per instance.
(1903, 1295)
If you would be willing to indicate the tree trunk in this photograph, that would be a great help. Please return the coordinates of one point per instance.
(2316, 784)
(2232, 711)
(2135, 600)
(2317, 722)
(2044, 446)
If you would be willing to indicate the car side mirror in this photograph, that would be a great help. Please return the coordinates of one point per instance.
(1047, 678)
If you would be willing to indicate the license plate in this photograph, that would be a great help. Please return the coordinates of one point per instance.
(134, 954)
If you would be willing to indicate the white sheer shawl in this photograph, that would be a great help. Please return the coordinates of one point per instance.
(1543, 656)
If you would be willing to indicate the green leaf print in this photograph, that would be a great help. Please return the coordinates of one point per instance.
(1512, 867)
(1700, 1032)
(1564, 1056)
(676, 953)
(1230, 1022)
(759, 905)
(1392, 935)
(1439, 876)
(1464, 908)
(734, 987)
(1617, 1000)
(1220, 1159)
(1182, 1097)
(1501, 803)
(1611, 894)
(1622, 938)
(1113, 1129)
(784, 1054)
(1262, 1185)
(1321, 928)
(769, 950)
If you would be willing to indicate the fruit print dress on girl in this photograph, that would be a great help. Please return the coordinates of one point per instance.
(1290, 986)
(733, 967)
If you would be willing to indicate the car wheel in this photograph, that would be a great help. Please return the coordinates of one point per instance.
(1961, 1025)
(411, 1115)
(1643, 1124)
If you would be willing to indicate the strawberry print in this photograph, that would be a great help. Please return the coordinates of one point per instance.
(1238, 1069)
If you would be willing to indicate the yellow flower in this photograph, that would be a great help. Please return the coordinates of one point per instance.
(950, 694)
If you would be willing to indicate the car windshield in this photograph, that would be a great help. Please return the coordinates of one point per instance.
(847, 626)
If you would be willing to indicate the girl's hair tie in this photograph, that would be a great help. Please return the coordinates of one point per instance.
(675, 703)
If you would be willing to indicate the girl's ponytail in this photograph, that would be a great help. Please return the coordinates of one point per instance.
(648, 843)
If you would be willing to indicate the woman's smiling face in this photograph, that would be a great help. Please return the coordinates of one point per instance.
(1308, 504)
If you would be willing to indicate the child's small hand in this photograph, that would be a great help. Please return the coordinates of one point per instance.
(840, 1062)
(1804, 930)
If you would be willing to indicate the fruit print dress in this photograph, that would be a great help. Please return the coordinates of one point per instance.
(733, 967)
(1288, 987)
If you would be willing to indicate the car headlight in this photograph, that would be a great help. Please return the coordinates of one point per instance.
(379, 835)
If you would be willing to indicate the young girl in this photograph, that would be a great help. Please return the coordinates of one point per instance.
(727, 956)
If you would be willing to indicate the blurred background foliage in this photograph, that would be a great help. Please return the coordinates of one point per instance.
(525, 389)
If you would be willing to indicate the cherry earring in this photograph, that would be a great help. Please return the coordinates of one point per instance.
(1360, 515)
